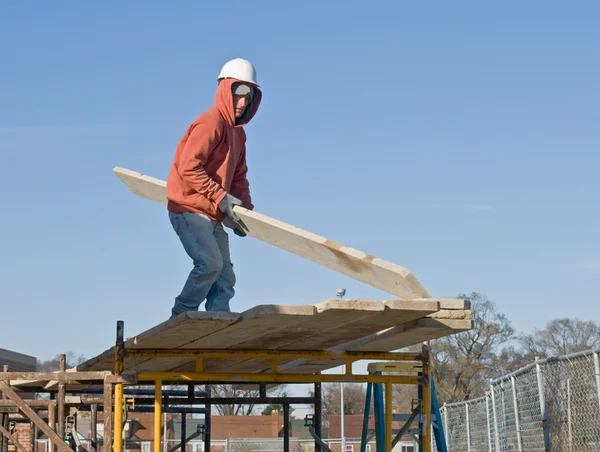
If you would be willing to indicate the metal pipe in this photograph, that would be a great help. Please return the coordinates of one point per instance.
(286, 427)
(455, 404)
(174, 402)
(207, 418)
(342, 433)
(517, 420)
(388, 417)
(276, 378)
(365, 428)
(569, 421)
(321, 445)
(148, 392)
(426, 407)
(496, 432)
(118, 427)
(446, 431)
(183, 430)
(551, 359)
(597, 371)
(318, 415)
(157, 414)
(119, 366)
(404, 429)
(178, 410)
(4, 421)
(543, 412)
(468, 427)
(487, 415)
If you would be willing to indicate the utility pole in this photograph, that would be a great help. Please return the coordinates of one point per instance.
(340, 294)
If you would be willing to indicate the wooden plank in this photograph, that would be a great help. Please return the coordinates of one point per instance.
(449, 303)
(393, 338)
(274, 327)
(366, 321)
(172, 333)
(356, 264)
(334, 322)
(258, 321)
(183, 329)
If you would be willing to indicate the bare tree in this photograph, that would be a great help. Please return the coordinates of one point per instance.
(224, 390)
(464, 361)
(560, 337)
(354, 398)
(53, 364)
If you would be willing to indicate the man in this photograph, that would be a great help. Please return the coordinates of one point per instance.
(207, 179)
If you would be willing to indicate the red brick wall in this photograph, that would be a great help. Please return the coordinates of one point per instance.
(22, 435)
(227, 427)
(222, 427)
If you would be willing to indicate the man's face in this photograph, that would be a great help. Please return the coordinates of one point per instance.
(240, 103)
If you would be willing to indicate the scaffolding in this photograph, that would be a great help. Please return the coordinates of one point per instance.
(97, 390)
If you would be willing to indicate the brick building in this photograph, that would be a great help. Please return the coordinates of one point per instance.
(17, 362)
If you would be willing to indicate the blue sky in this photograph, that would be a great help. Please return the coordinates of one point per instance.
(460, 141)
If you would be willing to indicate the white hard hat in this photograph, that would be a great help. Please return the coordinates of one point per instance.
(239, 69)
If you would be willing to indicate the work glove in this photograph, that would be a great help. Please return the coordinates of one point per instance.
(239, 232)
(231, 219)
(226, 206)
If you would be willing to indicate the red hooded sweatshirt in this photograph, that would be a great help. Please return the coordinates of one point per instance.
(210, 159)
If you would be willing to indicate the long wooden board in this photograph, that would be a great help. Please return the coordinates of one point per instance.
(454, 317)
(274, 327)
(356, 264)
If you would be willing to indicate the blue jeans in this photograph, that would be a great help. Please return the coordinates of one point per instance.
(212, 278)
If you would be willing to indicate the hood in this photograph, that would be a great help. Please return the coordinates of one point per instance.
(224, 103)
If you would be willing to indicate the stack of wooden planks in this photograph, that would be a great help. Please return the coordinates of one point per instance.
(334, 325)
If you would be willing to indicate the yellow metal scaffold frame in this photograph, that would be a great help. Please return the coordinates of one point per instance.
(200, 375)
(415, 367)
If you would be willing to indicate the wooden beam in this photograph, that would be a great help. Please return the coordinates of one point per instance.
(12, 438)
(32, 415)
(66, 377)
(356, 264)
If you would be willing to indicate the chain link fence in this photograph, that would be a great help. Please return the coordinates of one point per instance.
(550, 405)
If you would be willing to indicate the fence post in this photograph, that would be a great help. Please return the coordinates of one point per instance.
(597, 369)
(545, 425)
(446, 426)
(496, 434)
(468, 427)
(516, 406)
(489, 427)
